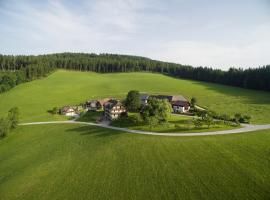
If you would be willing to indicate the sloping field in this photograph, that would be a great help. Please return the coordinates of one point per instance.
(68, 161)
(81, 162)
(67, 87)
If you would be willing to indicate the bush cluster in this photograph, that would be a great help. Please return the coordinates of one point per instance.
(237, 118)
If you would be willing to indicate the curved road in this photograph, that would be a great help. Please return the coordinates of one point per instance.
(245, 129)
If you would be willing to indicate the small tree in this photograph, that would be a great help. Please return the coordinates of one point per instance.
(208, 121)
(193, 102)
(197, 123)
(202, 114)
(237, 117)
(55, 110)
(225, 117)
(132, 101)
(13, 117)
(159, 109)
(4, 127)
(246, 119)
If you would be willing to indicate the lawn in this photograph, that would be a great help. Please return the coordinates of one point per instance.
(90, 116)
(35, 98)
(175, 124)
(81, 162)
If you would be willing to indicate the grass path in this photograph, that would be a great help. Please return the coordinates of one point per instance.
(245, 129)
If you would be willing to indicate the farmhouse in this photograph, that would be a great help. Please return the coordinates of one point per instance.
(179, 103)
(92, 105)
(113, 109)
(180, 106)
(68, 111)
(103, 101)
(95, 104)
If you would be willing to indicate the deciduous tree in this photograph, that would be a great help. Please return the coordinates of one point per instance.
(156, 111)
(13, 117)
(132, 101)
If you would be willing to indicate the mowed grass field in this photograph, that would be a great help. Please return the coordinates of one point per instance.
(82, 162)
(68, 161)
(67, 87)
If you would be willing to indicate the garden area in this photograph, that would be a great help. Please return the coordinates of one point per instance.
(157, 116)
(175, 123)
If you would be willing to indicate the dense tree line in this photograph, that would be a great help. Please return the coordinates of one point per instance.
(9, 78)
(32, 67)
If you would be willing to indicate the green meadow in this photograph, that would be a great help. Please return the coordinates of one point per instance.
(69, 161)
(35, 98)
(83, 162)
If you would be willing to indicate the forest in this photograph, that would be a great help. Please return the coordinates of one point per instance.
(18, 69)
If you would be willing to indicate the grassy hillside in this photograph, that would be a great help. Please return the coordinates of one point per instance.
(68, 87)
(80, 162)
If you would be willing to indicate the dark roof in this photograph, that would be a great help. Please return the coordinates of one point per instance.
(171, 98)
(180, 103)
(101, 102)
(111, 103)
(66, 108)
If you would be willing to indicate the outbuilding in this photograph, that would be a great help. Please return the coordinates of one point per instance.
(68, 111)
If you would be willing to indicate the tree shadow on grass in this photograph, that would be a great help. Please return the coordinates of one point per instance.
(248, 96)
(94, 131)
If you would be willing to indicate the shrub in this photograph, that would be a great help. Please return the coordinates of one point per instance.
(13, 117)
(208, 121)
(225, 117)
(10, 122)
(193, 102)
(213, 114)
(135, 119)
(152, 121)
(55, 110)
(238, 118)
(245, 119)
(197, 123)
(202, 113)
(4, 127)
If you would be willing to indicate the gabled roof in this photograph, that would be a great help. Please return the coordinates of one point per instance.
(179, 98)
(103, 101)
(180, 103)
(66, 108)
(171, 98)
(111, 103)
